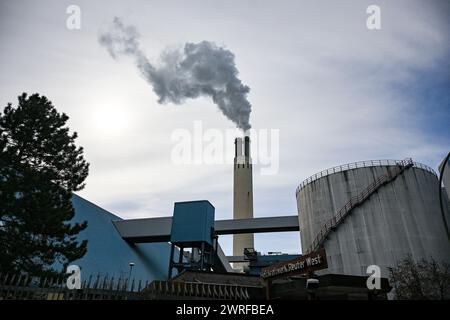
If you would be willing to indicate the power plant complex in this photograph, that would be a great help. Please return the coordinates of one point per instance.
(350, 217)
(164, 110)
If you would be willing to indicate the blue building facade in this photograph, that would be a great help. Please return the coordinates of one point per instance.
(108, 254)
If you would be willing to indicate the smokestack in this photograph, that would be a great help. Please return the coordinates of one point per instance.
(242, 193)
(247, 146)
(238, 147)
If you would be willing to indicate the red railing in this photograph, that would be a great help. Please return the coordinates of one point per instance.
(400, 166)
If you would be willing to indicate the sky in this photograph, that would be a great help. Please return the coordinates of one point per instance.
(336, 92)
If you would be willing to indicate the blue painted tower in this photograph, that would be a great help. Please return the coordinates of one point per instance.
(193, 228)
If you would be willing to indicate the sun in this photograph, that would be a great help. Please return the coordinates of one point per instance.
(110, 120)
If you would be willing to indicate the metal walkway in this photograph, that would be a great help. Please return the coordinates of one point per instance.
(149, 230)
(333, 223)
(158, 229)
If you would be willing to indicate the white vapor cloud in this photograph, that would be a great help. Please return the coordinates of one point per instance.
(198, 69)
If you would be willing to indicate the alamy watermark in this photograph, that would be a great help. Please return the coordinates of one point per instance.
(74, 280)
(73, 21)
(374, 280)
(373, 21)
(214, 146)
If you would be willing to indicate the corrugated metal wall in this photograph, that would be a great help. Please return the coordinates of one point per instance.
(109, 254)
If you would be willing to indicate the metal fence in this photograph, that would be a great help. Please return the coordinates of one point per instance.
(24, 287)
(357, 165)
(188, 290)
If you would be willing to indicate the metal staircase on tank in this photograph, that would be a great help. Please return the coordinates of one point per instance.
(357, 200)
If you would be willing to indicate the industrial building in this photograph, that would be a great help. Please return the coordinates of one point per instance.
(373, 213)
(349, 217)
(109, 255)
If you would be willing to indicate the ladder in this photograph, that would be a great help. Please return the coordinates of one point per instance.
(357, 200)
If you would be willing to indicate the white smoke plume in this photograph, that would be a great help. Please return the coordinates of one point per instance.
(196, 69)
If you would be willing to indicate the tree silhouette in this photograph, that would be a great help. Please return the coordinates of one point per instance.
(420, 280)
(40, 167)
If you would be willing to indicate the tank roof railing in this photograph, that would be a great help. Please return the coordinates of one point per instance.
(357, 165)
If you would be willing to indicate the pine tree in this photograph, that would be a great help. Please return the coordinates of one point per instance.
(40, 167)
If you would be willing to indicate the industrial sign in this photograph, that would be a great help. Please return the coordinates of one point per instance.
(316, 260)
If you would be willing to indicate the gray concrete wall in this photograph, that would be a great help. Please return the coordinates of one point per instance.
(402, 217)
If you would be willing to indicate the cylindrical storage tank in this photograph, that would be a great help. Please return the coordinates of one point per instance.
(445, 166)
(399, 218)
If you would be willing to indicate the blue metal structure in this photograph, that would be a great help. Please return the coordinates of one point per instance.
(193, 227)
(193, 222)
(109, 254)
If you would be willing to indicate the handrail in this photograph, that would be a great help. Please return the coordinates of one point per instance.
(354, 201)
(357, 165)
